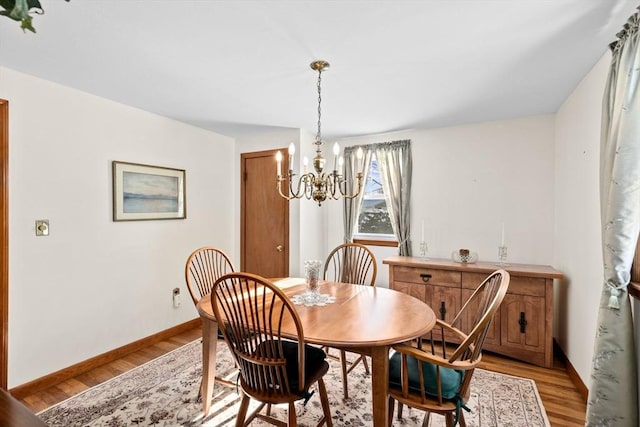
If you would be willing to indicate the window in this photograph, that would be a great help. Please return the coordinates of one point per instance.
(373, 221)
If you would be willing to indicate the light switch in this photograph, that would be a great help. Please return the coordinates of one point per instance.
(42, 227)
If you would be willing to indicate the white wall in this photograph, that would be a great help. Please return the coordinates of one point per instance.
(467, 181)
(578, 252)
(94, 285)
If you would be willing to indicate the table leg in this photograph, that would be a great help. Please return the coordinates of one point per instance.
(209, 348)
(380, 384)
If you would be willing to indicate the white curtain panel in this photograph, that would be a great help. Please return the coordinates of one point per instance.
(352, 207)
(613, 392)
(394, 160)
(395, 164)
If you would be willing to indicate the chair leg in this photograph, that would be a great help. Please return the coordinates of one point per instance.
(425, 420)
(366, 364)
(392, 402)
(449, 419)
(461, 420)
(293, 421)
(343, 362)
(242, 411)
(324, 401)
(400, 406)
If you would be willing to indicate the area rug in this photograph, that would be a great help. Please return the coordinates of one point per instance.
(164, 392)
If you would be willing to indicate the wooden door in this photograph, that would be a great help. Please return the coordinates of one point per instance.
(523, 323)
(264, 215)
(445, 302)
(4, 240)
(493, 334)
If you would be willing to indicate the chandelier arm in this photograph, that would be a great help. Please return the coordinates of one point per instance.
(284, 196)
(357, 192)
(301, 187)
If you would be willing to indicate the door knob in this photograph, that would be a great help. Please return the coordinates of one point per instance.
(279, 248)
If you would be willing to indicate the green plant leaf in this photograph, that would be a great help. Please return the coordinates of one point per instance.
(26, 24)
(34, 4)
(20, 10)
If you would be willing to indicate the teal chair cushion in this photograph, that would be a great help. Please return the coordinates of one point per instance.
(450, 378)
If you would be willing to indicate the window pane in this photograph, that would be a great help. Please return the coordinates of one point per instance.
(374, 217)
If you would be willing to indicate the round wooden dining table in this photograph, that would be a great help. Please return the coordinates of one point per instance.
(363, 319)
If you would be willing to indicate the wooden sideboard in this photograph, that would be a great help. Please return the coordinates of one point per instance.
(522, 328)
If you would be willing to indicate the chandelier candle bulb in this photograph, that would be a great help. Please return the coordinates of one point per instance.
(359, 155)
(279, 163)
(336, 152)
(305, 163)
(292, 151)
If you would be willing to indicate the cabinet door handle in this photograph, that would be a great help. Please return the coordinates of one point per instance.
(443, 309)
(425, 277)
(523, 323)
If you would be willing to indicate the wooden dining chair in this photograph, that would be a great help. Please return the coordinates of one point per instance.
(273, 369)
(434, 376)
(350, 263)
(204, 266)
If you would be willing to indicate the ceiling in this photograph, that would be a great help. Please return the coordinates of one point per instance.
(240, 67)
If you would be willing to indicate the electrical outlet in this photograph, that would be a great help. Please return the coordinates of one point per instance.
(42, 227)
(176, 297)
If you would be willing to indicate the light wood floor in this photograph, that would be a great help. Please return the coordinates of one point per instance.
(564, 404)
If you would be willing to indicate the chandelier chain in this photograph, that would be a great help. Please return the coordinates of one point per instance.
(318, 135)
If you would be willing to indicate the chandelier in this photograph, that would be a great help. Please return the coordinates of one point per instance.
(318, 186)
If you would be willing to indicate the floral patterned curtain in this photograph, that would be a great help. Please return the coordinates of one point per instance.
(613, 393)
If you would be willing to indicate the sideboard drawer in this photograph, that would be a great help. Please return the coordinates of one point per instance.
(532, 286)
(428, 276)
(520, 285)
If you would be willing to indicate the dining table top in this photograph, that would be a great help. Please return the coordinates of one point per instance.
(360, 316)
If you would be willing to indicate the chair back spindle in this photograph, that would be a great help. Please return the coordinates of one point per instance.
(204, 266)
(351, 263)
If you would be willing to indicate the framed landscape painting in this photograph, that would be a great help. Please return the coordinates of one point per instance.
(144, 192)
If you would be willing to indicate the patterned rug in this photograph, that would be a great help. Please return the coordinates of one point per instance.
(163, 392)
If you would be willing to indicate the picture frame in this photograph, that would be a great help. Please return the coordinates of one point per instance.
(146, 192)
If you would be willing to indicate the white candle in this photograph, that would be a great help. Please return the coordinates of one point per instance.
(279, 162)
(305, 163)
(292, 151)
(422, 240)
(502, 239)
(336, 151)
(359, 163)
